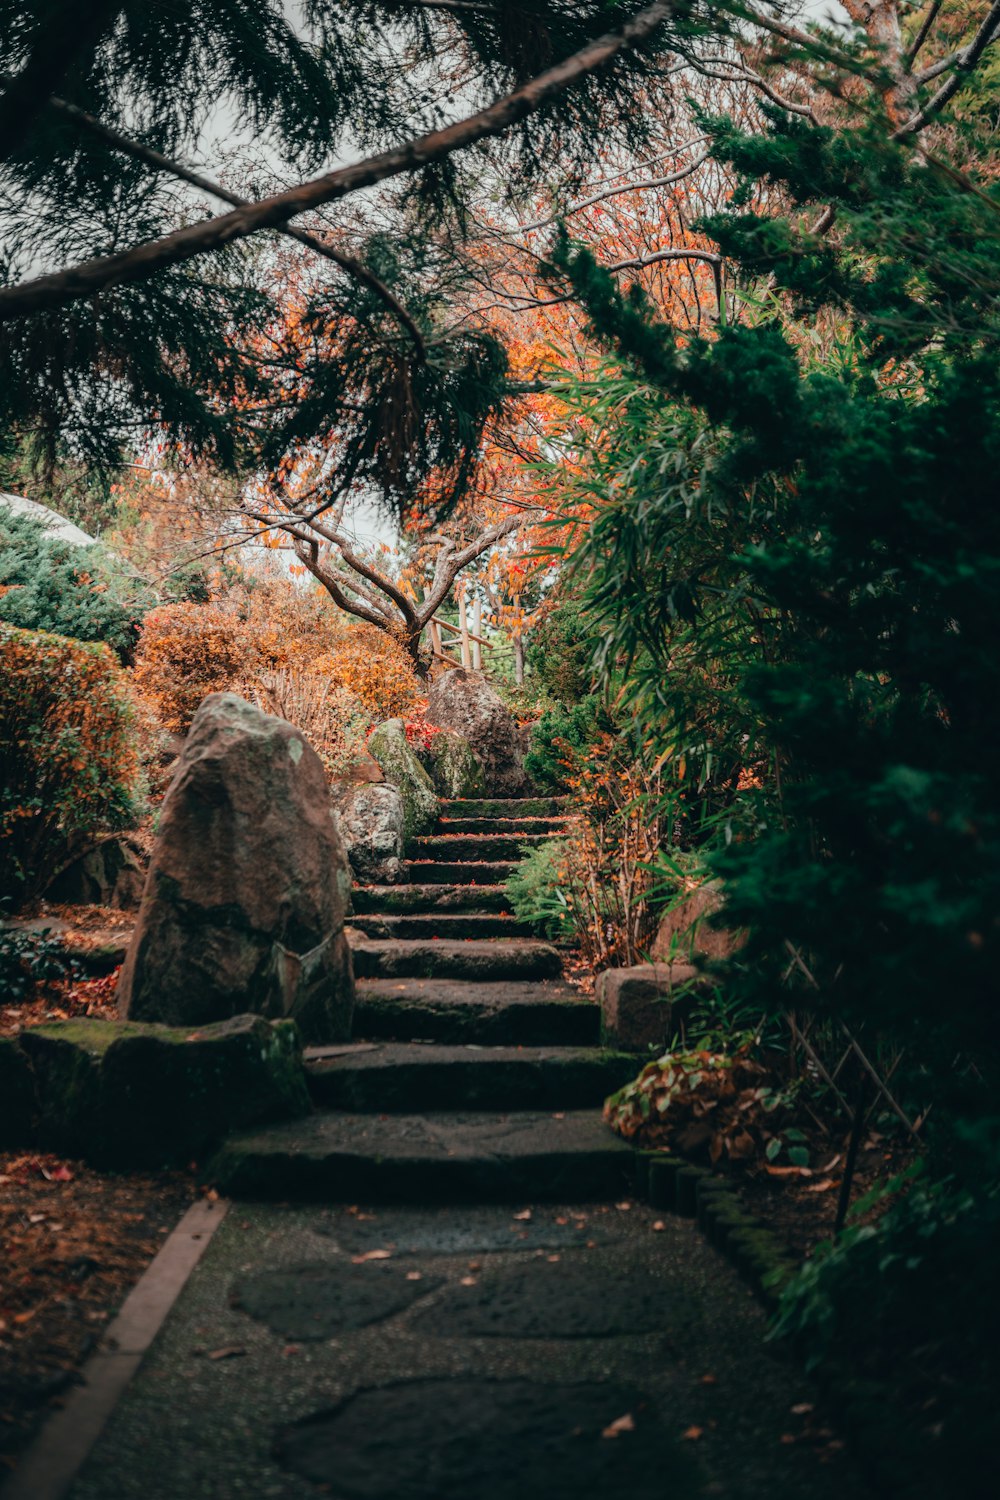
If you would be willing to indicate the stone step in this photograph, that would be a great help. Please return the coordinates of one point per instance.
(532, 1013)
(407, 1077)
(466, 872)
(519, 826)
(444, 898)
(387, 958)
(504, 807)
(450, 926)
(463, 847)
(483, 1157)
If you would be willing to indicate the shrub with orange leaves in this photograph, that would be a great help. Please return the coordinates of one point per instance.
(69, 760)
(185, 652)
(246, 643)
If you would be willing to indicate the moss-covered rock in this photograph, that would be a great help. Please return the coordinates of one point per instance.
(455, 769)
(127, 1094)
(17, 1095)
(388, 745)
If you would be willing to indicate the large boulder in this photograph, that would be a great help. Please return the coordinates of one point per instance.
(465, 702)
(370, 818)
(388, 745)
(454, 767)
(244, 904)
(112, 873)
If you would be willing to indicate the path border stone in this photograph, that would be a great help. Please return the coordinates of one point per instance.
(55, 1457)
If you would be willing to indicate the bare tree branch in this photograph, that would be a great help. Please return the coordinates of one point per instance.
(964, 64)
(644, 185)
(144, 261)
(924, 32)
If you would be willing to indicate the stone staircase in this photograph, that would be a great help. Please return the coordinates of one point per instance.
(476, 1072)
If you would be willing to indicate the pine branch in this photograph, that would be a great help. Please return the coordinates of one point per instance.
(143, 261)
(161, 163)
(67, 33)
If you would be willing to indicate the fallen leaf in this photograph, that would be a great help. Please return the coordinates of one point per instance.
(524, 1215)
(820, 1187)
(290, 1349)
(467, 1281)
(414, 1275)
(553, 1258)
(773, 1171)
(372, 1255)
(228, 1351)
(623, 1206)
(659, 1225)
(692, 1434)
(802, 1408)
(787, 1437)
(711, 1380)
(619, 1425)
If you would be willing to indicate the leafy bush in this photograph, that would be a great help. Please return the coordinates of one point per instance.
(52, 585)
(560, 737)
(333, 721)
(185, 652)
(561, 651)
(602, 885)
(189, 650)
(69, 765)
(537, 888)
(28, 959)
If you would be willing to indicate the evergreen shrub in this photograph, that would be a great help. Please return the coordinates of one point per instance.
(48, 584)
(69, 760)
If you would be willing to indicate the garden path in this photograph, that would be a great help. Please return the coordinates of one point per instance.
(450, 1294)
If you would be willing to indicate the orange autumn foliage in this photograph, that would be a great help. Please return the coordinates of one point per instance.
(189, 650)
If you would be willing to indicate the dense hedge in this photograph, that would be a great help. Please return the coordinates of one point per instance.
(69, 762)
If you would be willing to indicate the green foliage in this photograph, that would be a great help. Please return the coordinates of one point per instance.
(28, 959)
(537, 888)
(201, 351)
(883, 1305)
(851, 502)
(47, 584)
(559, 737)
(561, 654)
(69, 761)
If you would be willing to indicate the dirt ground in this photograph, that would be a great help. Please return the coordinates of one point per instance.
(74, 1244)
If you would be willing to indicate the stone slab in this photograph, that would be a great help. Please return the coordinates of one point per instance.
(459, 1230)
(539, 1013)
(322, 1300)
(546, 1299)
(444, 926)
(405, 1077)
(452, 1158)
(459, 872)
(437, 1440)
(407, 898)
(476, 959)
